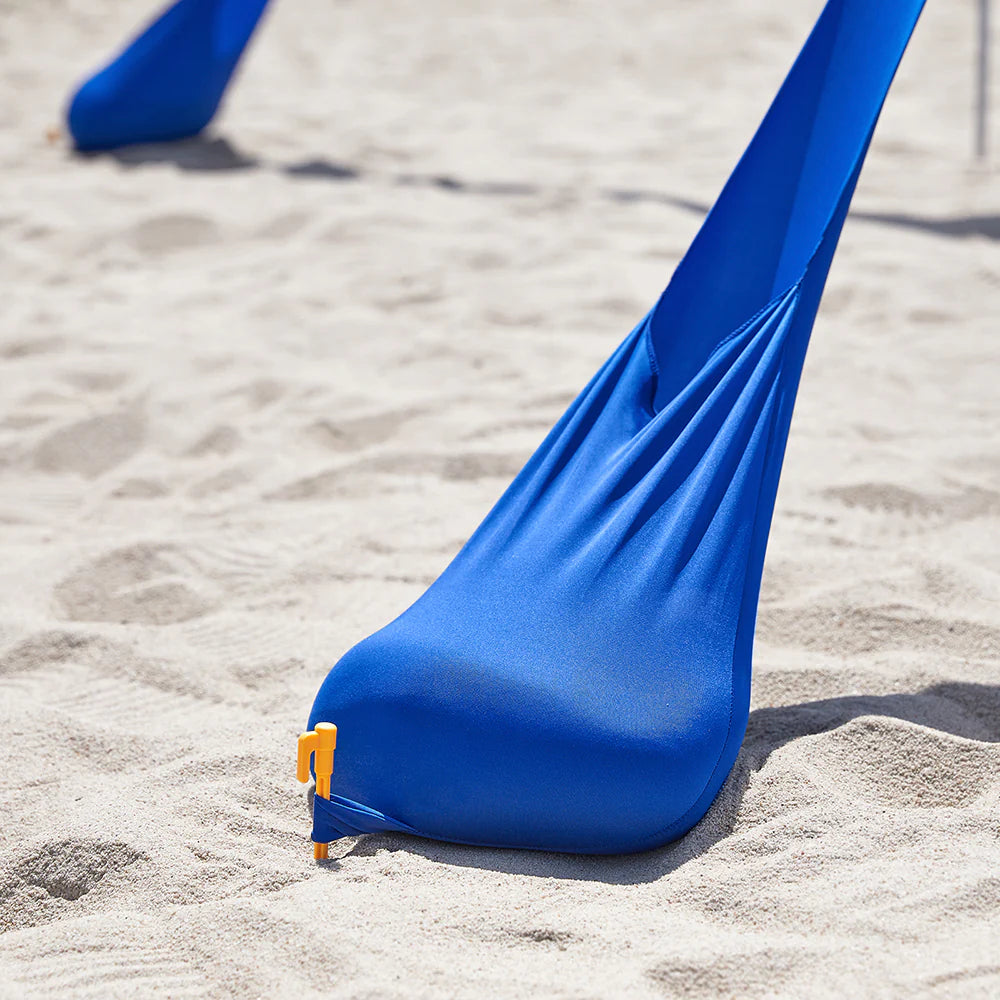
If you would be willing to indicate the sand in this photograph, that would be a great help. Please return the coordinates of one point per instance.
(258, 388)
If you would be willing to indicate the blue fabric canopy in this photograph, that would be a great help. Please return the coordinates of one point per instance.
(168, 82)
(578, 679)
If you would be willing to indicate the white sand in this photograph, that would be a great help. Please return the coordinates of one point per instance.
(248, 414)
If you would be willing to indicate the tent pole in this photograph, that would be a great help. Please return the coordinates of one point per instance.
(983, 80)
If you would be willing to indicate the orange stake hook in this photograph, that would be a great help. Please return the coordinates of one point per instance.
(321, 741)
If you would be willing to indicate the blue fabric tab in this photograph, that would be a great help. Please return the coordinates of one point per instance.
(336, 817)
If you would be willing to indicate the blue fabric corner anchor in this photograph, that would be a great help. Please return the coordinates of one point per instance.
(578, 679)
(167, 84)
(335, 817)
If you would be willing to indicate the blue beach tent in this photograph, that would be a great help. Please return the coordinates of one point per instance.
(167, 84)
(578, 679)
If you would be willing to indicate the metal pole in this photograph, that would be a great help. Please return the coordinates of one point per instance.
(983, 80)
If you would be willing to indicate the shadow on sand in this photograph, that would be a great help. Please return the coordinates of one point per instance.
(208, 154)
(960, 227)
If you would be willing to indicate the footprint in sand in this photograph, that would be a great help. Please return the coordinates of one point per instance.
(355, 480)
(258, 394)
(220, 440)
(166, 233)
(887, 498)
(756, 974)
(35, 887)
(93, 446)
(473, 466)
(536, 426)
(141, 584)
(69, 869)
(355, 433)
(95, 381)
(12, 350)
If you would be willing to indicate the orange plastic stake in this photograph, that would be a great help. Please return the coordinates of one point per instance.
(321, 741)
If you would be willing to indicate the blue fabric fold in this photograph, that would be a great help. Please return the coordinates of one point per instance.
(167, 84)
(578, 679)
(336, 817)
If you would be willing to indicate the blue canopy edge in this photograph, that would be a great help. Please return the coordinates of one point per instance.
(168, 82)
